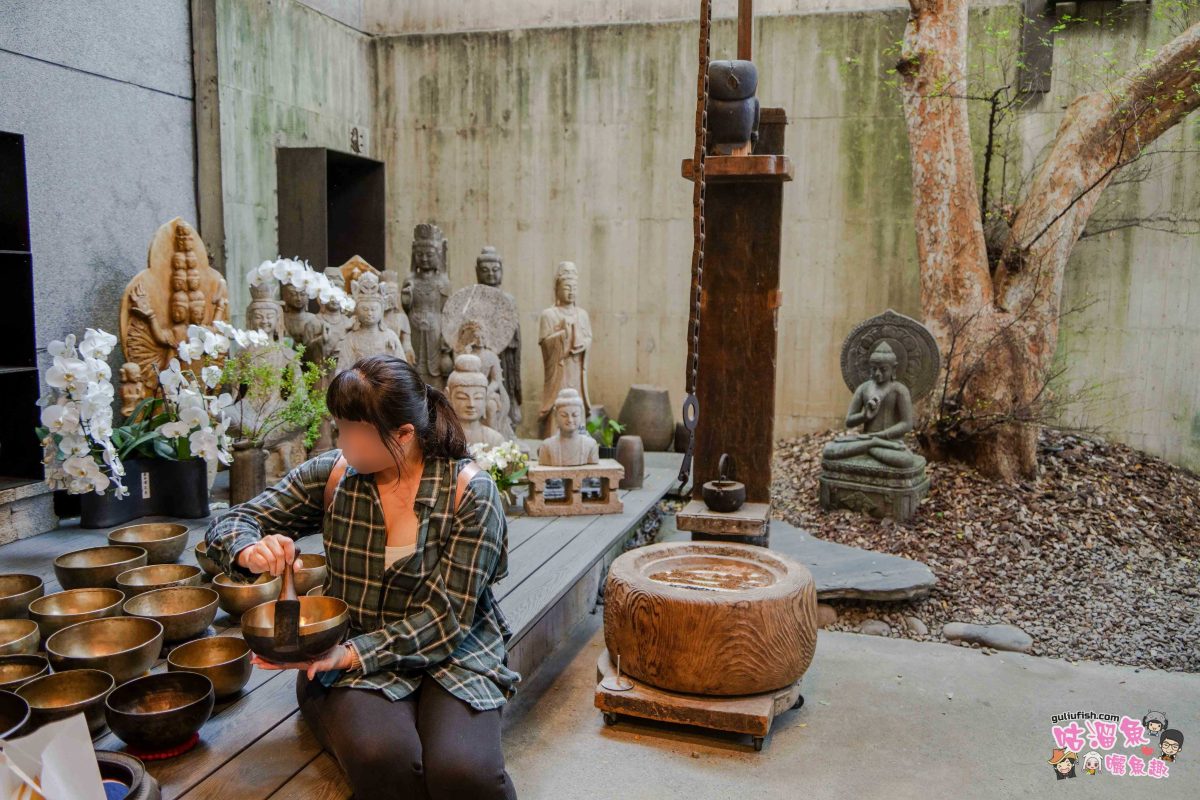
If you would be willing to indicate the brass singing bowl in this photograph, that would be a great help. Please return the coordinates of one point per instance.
(64, 694)
(124, 647)
(184, 611)
(164, 542)
(16, 671)
(207, 564)
(18, 637)
(323, 622)
(224, 660)
(14, 715)
(158, 576)
(97, 566)
(313, 569)
(238, 598)
(17, 592)
(160, 711)
(56, 611)
(316, 591)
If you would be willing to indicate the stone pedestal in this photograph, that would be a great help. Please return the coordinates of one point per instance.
(863, 484)
(574, 502)
(750, 524)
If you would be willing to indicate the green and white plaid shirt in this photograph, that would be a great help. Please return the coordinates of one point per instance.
(432, 613)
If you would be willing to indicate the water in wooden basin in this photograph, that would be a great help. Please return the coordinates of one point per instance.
(714, 574)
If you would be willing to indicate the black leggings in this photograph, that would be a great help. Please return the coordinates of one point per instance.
(428, 745)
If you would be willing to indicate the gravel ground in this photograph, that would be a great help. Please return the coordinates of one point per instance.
(1097, 559)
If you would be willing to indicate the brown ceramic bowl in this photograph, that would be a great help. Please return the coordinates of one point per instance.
(56, 611)
(312, 572)
(14, 715)
(184, 611)
(18, 636)
(97, 566)
(224, 660)
(124, 647)
(17, 592)
(58, 696)
(238, 598)
(323, 622)
(160, 711)
(158, 576)
(207, 564)
(164, 542)
(16, 671)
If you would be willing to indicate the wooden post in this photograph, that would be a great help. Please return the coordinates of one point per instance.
(745, 34)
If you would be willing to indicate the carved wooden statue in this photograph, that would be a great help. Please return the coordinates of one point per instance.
(467, 388)
(368, 335)
(489, 271)
(423, 295)
(564, 334)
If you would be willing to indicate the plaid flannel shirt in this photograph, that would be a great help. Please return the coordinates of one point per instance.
(432, 613)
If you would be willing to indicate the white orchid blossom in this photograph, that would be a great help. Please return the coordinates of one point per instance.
(293, 272)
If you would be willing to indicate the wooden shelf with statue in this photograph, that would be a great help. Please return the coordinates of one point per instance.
(571, 459)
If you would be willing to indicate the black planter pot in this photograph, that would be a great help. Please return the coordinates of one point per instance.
(608, 452)
(156, 486)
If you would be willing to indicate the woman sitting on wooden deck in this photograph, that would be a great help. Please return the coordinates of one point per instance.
(414, 535)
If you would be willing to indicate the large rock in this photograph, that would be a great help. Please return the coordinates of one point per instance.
(999, 637)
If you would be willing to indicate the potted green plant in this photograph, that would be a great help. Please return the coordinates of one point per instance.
(605, 431)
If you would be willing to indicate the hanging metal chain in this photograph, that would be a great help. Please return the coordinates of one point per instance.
(691, 405)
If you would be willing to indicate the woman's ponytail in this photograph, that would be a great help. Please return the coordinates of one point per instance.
(445, 436)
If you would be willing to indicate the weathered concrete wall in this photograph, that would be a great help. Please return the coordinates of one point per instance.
(289, 76)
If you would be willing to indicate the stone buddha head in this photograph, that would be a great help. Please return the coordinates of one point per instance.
(467, 388)
(568, 412)
(294, 297)
(428, 249)
(368, 300)
(566, 283)
(883, 364)
(264, 312)
(489, 269)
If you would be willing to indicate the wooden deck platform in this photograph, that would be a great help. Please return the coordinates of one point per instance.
(256, 745)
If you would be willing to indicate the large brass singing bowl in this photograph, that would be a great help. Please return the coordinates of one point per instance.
(224, 660)
(18, 636)
(97, 566)
(14, 715)
(56, 611)
(158, 576)
(16, 671)
(124, 647)
(184, 611)
(160, 711)
(17, 592)
(164, 542)
(323, 622)
(207, 564)
(238, 598)
(312, 572)
(63, 694)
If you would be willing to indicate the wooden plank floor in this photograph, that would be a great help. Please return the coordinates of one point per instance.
(256, 745)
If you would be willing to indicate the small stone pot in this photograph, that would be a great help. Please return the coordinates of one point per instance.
(647, 413)
(247, 473)
(631, 454)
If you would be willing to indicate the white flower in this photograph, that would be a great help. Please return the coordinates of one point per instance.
(211, 376)
(66, 373)
(191, 350)
(171, 378)
(62, 418)
(73, 444)
(173, 430)
(97, 343)
(194, 416)
(62, 349)
(120, 490)
(204, 444)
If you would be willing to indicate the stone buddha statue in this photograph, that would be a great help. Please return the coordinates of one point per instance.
(423, 296)
(368, 335)
(489, 271)
(302, 325)
(264, 312)
(470, 341)
(395, 318)
(570, 447)
(883, 408)
(565, 335)
(467, 388)
(334, 321)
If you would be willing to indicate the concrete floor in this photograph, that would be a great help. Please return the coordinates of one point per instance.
(883, 718)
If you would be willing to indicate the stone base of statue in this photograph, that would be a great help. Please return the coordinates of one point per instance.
(863, 484)
(567, 495)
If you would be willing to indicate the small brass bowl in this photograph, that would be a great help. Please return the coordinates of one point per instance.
(58, 696)
(14, 715)
(18, 637)
(316, 591)
(17, 592)
(207, 564)
(184, 611)
(16, 671)
(164, 542)
(160, 711)
(323, 622)
(124, 647)
(238, 598)
(56, 611)
(224, 660)
(158, 576)
(97, 566)
(312, 572)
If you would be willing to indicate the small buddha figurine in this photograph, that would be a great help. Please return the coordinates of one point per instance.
(565, 335)
(334, 321)
(395, 318)
(489, 271)
(569, 447)
(368, 335)
(884, 409)
(470, 340)
(132, 389)
(467, 388)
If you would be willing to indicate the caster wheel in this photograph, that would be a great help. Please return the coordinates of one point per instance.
(610, 718)
(758, 743)
(799, 702)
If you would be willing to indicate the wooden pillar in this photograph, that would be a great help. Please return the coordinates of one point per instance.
(739, 308)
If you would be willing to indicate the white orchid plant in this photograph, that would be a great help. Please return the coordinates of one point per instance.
(506, 462)
(297, 273)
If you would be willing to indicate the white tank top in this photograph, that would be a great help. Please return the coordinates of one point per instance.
(398, 553)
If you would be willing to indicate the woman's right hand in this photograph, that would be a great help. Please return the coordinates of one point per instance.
(270, 554)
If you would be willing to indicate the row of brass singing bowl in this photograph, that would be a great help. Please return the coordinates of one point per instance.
(16, 671)
(97, 566)
(56, 611)
(64, 694)
(323, 622)
(160, 711)
(224, 660)
(14, 715)
(17, 592)
(18, 636)
(237, 598)
(207, 564)
(164, 542)
(183, 611)
(124, 647)
(158, 576)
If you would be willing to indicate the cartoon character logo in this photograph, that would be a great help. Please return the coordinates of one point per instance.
(1063, 762)
(1171, 742)
(1155, 722)
(1091, 763)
